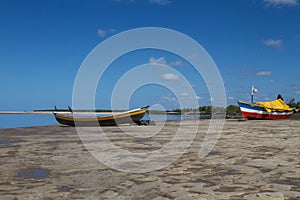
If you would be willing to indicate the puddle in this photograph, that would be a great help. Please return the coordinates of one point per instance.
(226, 172)
(206, 182)
(173, 182)
(7, 142)
(213, 153)
(64, 189)
(33, 173)
(228, 189)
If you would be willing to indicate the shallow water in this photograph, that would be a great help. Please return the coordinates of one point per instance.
(6, 142)
(28, 120)
(33, 173)
(25, 120)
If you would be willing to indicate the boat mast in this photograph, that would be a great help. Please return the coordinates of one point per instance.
(252, 94)
(253, 90)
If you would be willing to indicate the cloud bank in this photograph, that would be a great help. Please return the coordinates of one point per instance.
(277, 3)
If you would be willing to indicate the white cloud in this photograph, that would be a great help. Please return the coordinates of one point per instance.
(170, 77)
(194, 56)
(102, 33)
(163, 61)
(160, 2)
(231, 98)
(169, 98)
(264, 73)
(160, 60)
(272, 43)
(281, 2)
(184, 94)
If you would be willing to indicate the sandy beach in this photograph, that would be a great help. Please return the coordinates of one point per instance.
(251, 160)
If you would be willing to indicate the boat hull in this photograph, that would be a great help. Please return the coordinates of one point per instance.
(132, 116)
(254, 111)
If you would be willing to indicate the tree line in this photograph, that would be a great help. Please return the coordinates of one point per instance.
(209, 109)
(293, 104)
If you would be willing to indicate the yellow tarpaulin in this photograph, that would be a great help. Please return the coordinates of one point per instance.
(276, 105)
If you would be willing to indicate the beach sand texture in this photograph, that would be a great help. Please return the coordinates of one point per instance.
(251, 160)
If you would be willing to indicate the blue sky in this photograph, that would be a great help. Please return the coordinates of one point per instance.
(43, 44)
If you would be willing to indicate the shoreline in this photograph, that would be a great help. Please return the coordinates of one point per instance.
(50, 120)
(295, 116)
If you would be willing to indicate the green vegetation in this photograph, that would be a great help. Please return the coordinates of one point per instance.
(209, 109)
(293, 104)
(232, 109)
(206, 109)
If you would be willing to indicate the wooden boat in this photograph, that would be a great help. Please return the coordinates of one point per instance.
(73, 119)
(272, 110)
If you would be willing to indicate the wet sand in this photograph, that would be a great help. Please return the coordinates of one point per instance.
(251, 160)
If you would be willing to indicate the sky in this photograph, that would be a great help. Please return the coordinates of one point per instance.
(44, 43)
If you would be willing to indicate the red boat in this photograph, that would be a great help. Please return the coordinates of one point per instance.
(273, 110)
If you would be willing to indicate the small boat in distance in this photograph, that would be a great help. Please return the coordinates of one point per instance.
(273, 110)
(73, 119)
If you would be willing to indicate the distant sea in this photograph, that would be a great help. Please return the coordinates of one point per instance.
(25, 120)
(28, 120)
